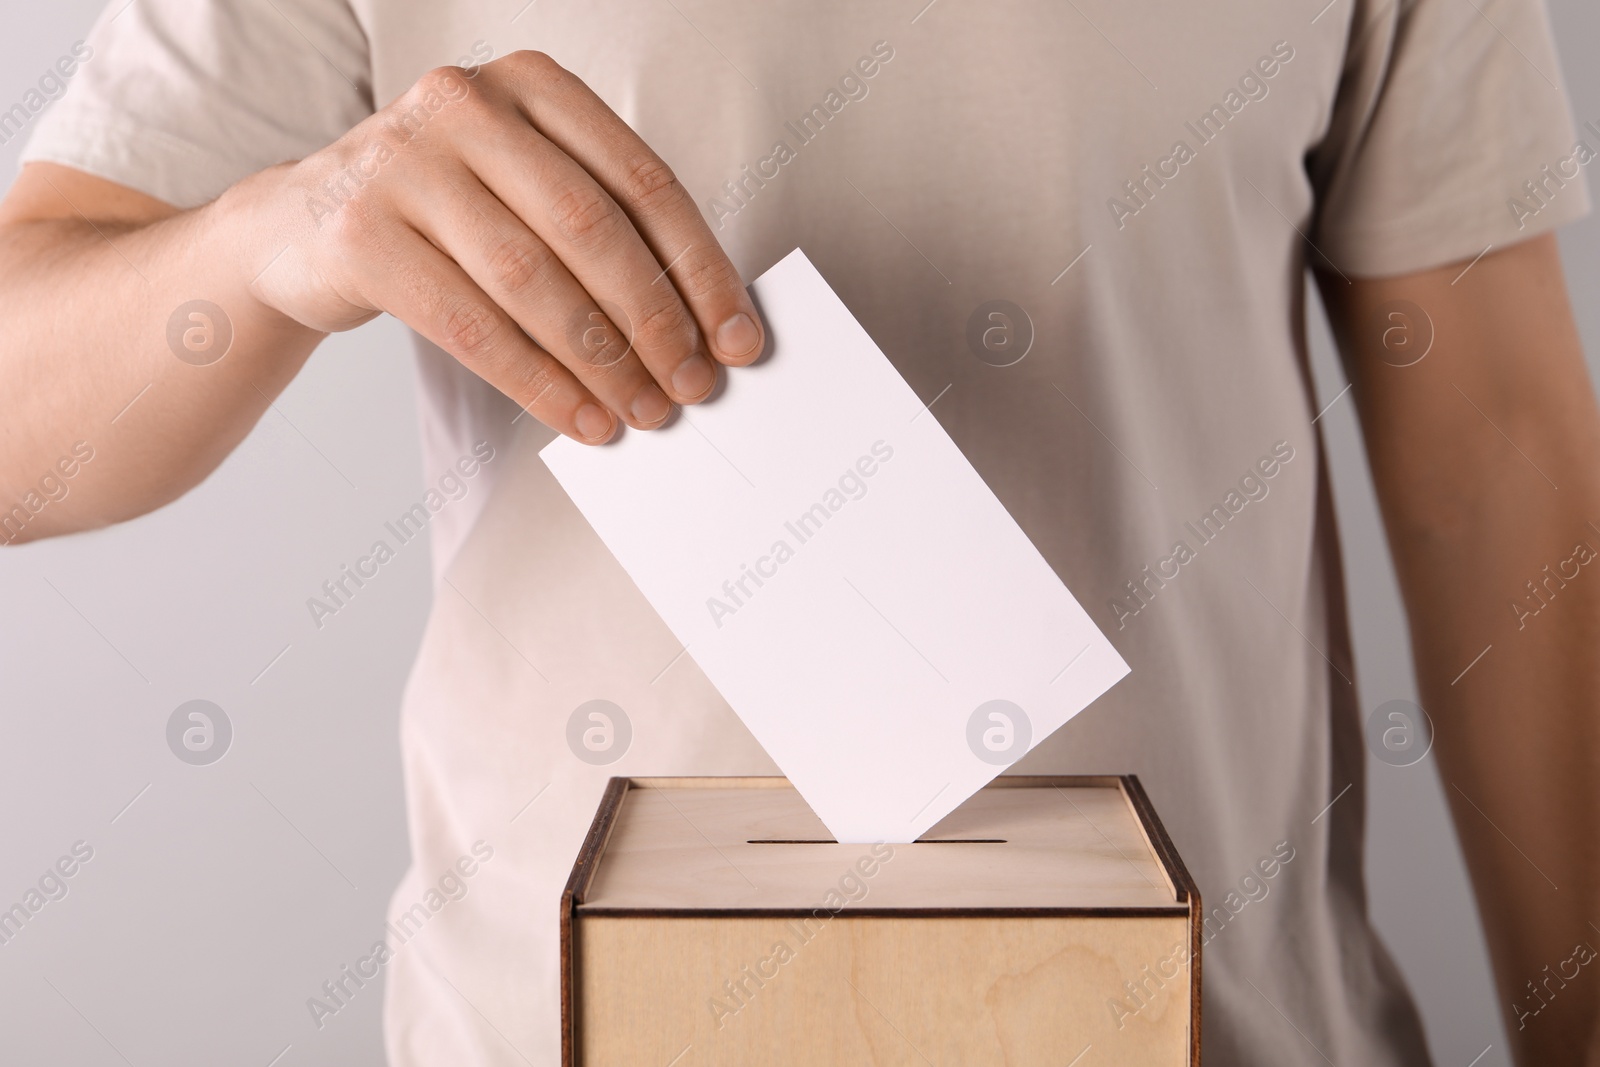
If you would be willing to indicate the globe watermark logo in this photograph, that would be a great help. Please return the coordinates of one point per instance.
(1399, 733)
(999, 732)
(199, 333)
(199, 732)
(999, 332)
(599, 732)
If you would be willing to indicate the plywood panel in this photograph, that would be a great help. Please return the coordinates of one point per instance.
(749, 992)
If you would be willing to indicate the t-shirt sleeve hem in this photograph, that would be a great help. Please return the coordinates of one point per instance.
(122, 149)
(1407, 248)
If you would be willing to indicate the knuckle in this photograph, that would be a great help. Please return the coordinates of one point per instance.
(518, 266)
(535, 68)
(538, 381)
(663, 325)
(352, 223)
(585, 214)
(650, 183)
(472, 101)
(426, 94)
(441, 80)
(703, 275)
(530, 59)
(432, 97)
(469, 328)
(599, 336)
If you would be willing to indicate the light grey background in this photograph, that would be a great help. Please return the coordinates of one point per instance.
(219, 898)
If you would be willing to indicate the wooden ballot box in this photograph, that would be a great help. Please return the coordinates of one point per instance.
(715, 921)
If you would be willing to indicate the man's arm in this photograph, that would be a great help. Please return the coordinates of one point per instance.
(507, 215)
(1486, 458)
(90, 272)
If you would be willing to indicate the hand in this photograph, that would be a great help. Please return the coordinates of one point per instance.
(511, 218)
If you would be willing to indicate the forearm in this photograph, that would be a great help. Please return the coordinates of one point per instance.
(96, 358)
(504, 213)
(1484, 458)
(1518, 734)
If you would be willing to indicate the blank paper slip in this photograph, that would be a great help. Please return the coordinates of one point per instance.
(842, 575)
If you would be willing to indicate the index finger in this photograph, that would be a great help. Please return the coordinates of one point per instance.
(572, 117)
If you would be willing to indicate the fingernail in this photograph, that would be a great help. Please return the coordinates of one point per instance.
(738, 336)
(694, 377)
(593, 422)
(650, 406)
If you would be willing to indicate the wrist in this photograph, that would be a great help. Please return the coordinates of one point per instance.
(254, 243)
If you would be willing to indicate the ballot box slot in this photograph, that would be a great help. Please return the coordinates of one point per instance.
(827, 841)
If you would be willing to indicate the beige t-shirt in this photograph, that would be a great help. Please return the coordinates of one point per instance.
(1146, 183)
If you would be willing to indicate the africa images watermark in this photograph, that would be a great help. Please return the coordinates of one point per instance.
(341, 589)
(1541, 191)
(1252, 85)
(851, 485)
(452, 885)
(999, 333)
(340, 189)
(52, 488)
(852, 87)
(50, 887)
(1543, 594)
(1399, 733)
(199, 732)
(1253, 487)
(1253, 888)
(1525, 1008)
(599, 732)
(851, 888)
(50, 85)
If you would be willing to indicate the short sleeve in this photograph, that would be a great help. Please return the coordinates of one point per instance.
(1451, 132)
(179, 99)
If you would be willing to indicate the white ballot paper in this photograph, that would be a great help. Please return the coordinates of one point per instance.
(842, 575)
